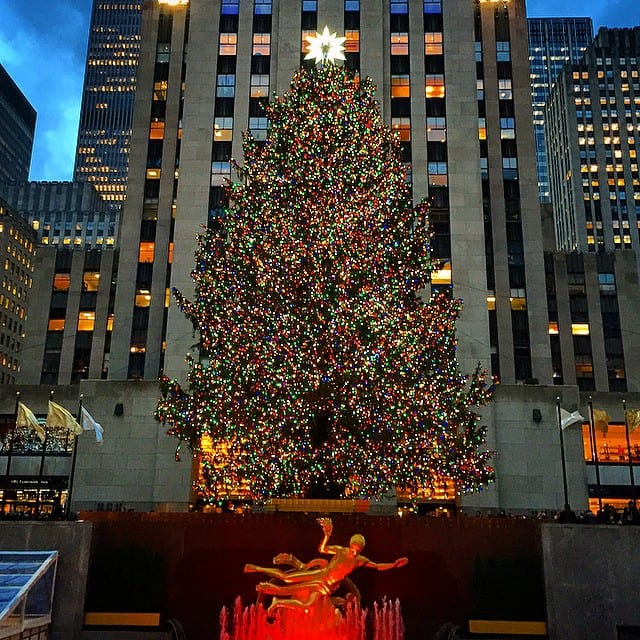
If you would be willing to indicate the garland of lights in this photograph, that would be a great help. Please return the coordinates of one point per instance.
(320, 365)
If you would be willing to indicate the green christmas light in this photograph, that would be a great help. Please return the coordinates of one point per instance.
(323, 364)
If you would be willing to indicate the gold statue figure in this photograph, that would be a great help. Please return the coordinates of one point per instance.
(313, 584)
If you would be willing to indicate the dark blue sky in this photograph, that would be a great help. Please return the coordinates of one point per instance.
(43, 46)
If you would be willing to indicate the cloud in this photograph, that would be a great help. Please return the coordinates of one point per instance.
(44, 52)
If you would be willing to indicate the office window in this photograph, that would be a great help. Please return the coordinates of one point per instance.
(505, 89)
(226, 87)
(433, 43)
(434, 85)
(261, 44)
(352, 42)
(400, 87)
(146, 252)
(399, 44)
(86, 320)
(222, 129)
(259, 85)
(90, 280)
(229, 7)
(262, 7)
(403, 127)
(228, 44)
(61, 282)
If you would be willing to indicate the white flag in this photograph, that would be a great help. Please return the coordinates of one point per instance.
(567, 419)
(89, 424)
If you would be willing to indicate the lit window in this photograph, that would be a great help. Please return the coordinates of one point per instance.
(160, 90)
(442, 275)
(156, 131)
(90, 280)
(56, 324)
(352, 41)
(261, 44)
(143, 298)
(434, 85)
(518, 304)
(399, 44)
(86, 320)
(228, 44)
(437, 129)
(433, 43)
(61, 281)
(504, 89)
(222, 129)
(147, 252)
(110, 322)
(403, 127)
(580, 329)
(553, 329)
(259, 85)
(400, 87)
(305, 42)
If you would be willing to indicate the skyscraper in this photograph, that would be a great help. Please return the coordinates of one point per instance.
(104, 135)
(593, 126)
(553, 42)
(455, 100)
(17, 127)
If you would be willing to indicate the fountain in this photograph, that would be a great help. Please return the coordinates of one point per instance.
(315, 600)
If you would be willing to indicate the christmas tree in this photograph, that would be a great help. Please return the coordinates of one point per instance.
(323, 366)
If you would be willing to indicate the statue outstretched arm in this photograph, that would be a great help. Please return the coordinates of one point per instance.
(327, 530)
(385, 566)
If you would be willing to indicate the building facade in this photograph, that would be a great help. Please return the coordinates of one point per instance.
(104, 134)
(17, 128)
(553, 42)
(453, 80)
(17, 248)
(70, 319)
(64, 214)
(592, 130)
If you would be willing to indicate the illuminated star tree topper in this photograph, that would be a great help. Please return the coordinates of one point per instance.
(325, 47)
(324, 367)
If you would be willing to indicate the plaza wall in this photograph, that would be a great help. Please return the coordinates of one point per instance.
(591, 581)
(202, 558)
(72, 541)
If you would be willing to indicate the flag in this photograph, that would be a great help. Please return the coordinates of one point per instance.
(89, 424)
(58, 416)
(25, 418)
(601, 420)
(567, 419)
(633, 419)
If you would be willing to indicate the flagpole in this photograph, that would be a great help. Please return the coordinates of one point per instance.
(42, 460)
(626, 433)
(594, 452)
(567, 508)
(9, 455)
(74, 456)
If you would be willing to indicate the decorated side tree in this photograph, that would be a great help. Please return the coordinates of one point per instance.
(323, 365)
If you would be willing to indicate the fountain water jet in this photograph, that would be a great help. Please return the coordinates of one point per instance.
(306, 599)
(253, 623)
